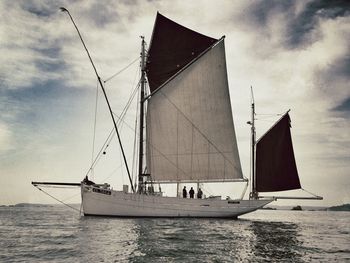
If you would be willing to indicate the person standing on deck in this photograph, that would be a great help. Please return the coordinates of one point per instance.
(191, 192)
(199, 194)
(184, 192)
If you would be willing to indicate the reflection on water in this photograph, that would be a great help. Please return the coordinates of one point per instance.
(164, 240)
(55, 234)
(276, 241)
(107, 239)
(160, 240)
(201, 240)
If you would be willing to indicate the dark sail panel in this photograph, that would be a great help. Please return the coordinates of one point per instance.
(275, 163)
(172, 47)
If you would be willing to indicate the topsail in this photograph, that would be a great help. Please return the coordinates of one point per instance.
(172, 47)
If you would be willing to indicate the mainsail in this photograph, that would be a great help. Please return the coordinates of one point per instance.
(275, 163)
(190, 130)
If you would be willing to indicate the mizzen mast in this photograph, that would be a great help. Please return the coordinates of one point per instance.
(254, 193)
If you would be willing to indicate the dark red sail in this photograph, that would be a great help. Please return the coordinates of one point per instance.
(172, 47)
(275, 163)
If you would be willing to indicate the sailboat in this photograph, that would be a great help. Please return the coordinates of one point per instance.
(187, 136)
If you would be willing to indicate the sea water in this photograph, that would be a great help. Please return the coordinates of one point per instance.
(59, 234)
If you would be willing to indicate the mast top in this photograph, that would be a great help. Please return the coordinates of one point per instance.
(252, 95)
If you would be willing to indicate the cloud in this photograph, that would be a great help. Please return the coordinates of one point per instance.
(344, 106)
(301, 27)
(301, 19)
(24, 34)
(6, 140)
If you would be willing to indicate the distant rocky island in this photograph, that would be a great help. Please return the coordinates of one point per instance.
(35, 205)
(30, 205)
(344, 207)
(27, 205)
(297, 208)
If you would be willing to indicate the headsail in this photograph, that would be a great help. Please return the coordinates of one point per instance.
(172, 47)
(190, 130)
(275, 163)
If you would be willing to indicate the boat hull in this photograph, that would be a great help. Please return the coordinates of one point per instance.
(99, 202)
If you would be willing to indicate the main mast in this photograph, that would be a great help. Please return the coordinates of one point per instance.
(142, 97)
(253, 194)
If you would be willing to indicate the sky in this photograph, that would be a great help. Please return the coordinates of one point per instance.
(295, 55)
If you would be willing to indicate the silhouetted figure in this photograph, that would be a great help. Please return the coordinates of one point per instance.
(199, 194)
(191, 192)
(87, 181)
(184, 192)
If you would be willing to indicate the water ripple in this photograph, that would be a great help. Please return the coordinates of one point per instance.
(55, 234)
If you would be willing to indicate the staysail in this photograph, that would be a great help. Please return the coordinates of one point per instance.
(275, 163)
(190, 130)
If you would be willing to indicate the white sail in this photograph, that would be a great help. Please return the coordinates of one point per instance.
(190, 130)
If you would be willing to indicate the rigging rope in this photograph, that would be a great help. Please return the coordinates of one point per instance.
(270, 114)
(310, 192)
(70, 197)
(116, 169)
(265, 120)
(57, 199)
(120, 71)
(205, 137)
(244, 190)
(98, 156)
(112, 133)
(135, 148)
(131, 98)
(94, 136)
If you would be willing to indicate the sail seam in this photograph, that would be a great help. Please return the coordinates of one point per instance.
(201, 153)
(177, 168)
(200, 131)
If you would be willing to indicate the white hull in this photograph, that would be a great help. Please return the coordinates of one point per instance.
(117, 203)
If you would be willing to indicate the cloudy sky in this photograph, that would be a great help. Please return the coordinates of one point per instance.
(295, 54)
